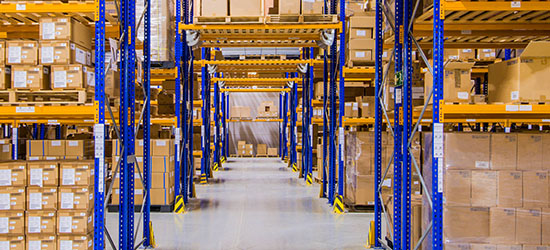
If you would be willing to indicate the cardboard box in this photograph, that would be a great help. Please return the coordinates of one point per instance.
(486, 54)
(35, 148)
(13, 174)
(64, 28)
(75, 242)
(458, 185)
(5, 78)
(477, 246)
(162, 164)
(213, 8)
(162, 147)
(467, 54)
(535, 247)
(55, 148)
(2, 53)
(546, 226)
(519, 79)
(12, 198)
(41, 198)
(467, 151)
(78, 149)
(30, 77)
(466, 224)
(502, 228)
(504, 151)
(272, 152)
(161, 196)
(457, 82)
(509, 247)
(361, 50)
(484, 188)
(138, 196)
(72, 77)
(162, 180)
(361, 27)
(261, 150)
(42, 174)
(545, 148)
(13, 223)
(451, 54)
(245, 112)
(22, 52)
(529, 152)
(64, 52)
(528, 230)
(245, 8)
(40, 222)
(361, 190)
(75, 222)
(249, 150)
(289, 7)
(42, 242)
(267, 109)
(13, 242)
(510, 189)
(76, 198)
(138, 147)
(535, 189)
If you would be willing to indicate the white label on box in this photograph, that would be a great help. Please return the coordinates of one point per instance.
(360, 54)
(467, 50)
(140, 143)
(525, 108)
(60, 79)
(56, 143)
(65, 245)
(463, 95)
(36, 177)
(4, 244)
(14, 54)
(48, 31)
(512, 108)
(4, 225)
(90, 80)
(398, 95)
(387, 183)
(65, 224)
(73, 143)
(35, 223)
(515, 4)
(5, 177)
(514, 95)
(161, 143)
(46, 54)
(361, 33)
(482, 164)
(5, 148)
(35, 201)
(139, 191)
(20, 79)
(5, 200)
(68, 176)
(67, 200)
(80, 56)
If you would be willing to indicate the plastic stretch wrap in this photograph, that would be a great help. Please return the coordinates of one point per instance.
(162, 28)
(496, 191)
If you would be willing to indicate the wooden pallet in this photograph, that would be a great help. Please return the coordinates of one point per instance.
(306, 18)
(261, 155)
(359, 63)
(228, 19)
(46, 97)
(137, 208)
(358, 208)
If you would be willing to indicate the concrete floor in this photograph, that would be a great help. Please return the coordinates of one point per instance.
(257, 203)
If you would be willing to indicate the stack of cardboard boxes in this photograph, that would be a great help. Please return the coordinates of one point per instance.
(240, 113)
(267, 110)
(261, 150)
(62, 59)
(272, 152)
(59, 149)
(244, 149)
(361, 44)
(496, 190)
(162, 172)
(47, 204)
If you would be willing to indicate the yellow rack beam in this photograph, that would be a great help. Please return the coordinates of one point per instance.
(495, 6)
(215, 79)
(44, 7)
(258, 120)
(257, 62)
(256, 90)
(262, 27)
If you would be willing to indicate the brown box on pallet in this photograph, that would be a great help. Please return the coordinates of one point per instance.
(12, 198)
(458, 187)
(5, 78)
(521, 79)
(509, 247)
(238, 8)
(161, 196)
(162, 180)
(484, 188)
(42, 242)
(535, 247)
(76, 222)
(13, 242)
(510, 189)
(504, 151)
(249, 150)
(22, 52)
(41, 198)
(162, 147)
(76, 242)
(76, 198)
(2, 53)
(55, 148)
(466, 224)
(40, 222)
(212, 8)
(261, 150)
(76, 173)
(42, 173)
(272, 152)
(467, 151)
(361, 50)
(545, 226)
(467, 54)
(162, 164)
(361, 191)
(457, 82)
(30, 77)
(64, 28)
(486, 54)
(361, 27)
(535, 189)
(502, 229)
(14, 223)
(289, 7)
(529, 152)
(35, 148)
(73, 76)
(5, 152)
(478, 246)
(78, 149)
(138, 196)
(13, 174)
(312, 6)
(63, 52)
(528, 230)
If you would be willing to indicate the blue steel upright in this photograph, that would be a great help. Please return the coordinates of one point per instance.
(407, 126)
(325, 117)
(190, 79)
(341, 96)
(183, 76)
(284, 154)
(147, 173)
(280, 149)
(379, 74)
(99, 129)
(178, 102)
(398, 126)
(205, 122)
(332, 133)
(310, 114)
(293, 121)
(217, 124)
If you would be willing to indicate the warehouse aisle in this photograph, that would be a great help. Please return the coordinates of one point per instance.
(259, 204)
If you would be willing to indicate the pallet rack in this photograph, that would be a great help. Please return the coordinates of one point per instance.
(467, 25)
